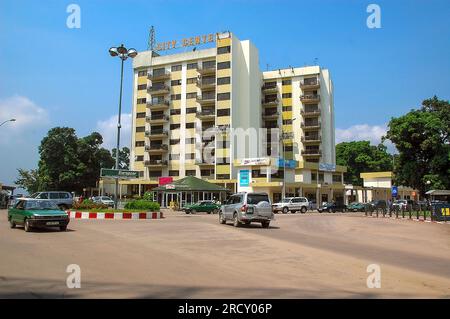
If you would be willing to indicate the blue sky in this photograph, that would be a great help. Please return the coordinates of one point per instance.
(56, 76)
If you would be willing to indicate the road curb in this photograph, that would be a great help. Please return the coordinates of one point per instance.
(111, 215)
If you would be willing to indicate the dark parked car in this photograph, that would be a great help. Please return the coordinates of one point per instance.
(356, 207)
(378, 204)
(333, 207)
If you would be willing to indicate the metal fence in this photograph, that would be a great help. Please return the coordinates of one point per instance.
(437, 212)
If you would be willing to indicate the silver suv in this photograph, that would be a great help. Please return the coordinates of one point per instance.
(246, 208)
(63, 200)
(292, 204)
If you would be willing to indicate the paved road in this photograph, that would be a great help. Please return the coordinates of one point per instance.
(193, 256)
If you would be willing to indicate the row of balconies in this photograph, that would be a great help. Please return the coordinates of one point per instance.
(306, 99)
(307, 84)
(165, 74)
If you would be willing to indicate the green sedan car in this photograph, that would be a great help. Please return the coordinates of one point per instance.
(207, 206)
(33, 213)
(356, 207)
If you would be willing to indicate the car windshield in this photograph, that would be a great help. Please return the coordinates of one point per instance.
(257, 198)
(34, 195)
(286, 200)
(40, 205)
(106, 198)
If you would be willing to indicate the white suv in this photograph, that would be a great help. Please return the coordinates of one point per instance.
(291, 204)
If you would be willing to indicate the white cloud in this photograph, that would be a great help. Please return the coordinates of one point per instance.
(364, 132)
(28, 115)
(108, 129)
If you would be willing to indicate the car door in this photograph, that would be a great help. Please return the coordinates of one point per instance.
(296, 204)
(18, 215)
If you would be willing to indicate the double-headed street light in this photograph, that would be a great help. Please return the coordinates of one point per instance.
(123, 53)
(10, 120)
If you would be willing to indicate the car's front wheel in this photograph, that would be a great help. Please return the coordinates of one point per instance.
(27, 226)
(303, 210)
(222, 219)
(285, 210)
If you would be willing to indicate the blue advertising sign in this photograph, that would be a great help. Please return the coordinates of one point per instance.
(244, 178)
(394, 191)
(287, 163)
(327, 167)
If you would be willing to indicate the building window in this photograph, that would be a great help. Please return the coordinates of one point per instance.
(142, 101)
(175, 111)
(175, 82)
(321, 178)
(189, 156)
(139, 158)
(191, 110)
(139, 143)
(155, 173)
(191, 80)
(142, 73)
(224, 80)
(286, 95)
(223, 96)
(224, 50)
(140, 115)
(287, 108)
(256, 173)
(337, 178)
(174, 157)
(314, 177)
(190, 125)
(190, 172)
(191, 95)
(223, 160)
(223, 65)
(174, 141)
(286, 82)
(191, 66)
(206, 172)
(174, 126)
(209, 64)
(142, 87)
(287, 122)
(175, 96)
(174, 173)
(223, 112)
(140, 129)
(176, 67)
(190, 140)
(223, 176)
(288, 148)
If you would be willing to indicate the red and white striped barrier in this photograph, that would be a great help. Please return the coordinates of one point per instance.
(112, 215)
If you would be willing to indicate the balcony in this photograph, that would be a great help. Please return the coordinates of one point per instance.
(206, 84)
(310, 113)
(207, 70)
(206, 114)
(156, 134)
(158, 105)
(157, 119)
(159, 75)
(209, 99)
(156, 148)
(311, 139)
(267, 89)
(158, 89)
(310, 84)
(310, 98)
(270, 115)
(155, 163)
(205, 162)
(311, 153)
(268, 103)
(310, 126)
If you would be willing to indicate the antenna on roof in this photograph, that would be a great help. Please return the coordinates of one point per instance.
(267, 66)
(151, 39)
(315, 61)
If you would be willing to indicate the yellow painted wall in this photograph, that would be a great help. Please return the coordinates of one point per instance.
(175, 75)
(222, 120)
(224, 88)
(223, 169)
(224, 57)
(140, 108)
(176, 104)
(286, 101)
(286, 89)
(223, 104)
(139, 150)
(223, 73)
(223, 42)
(140, 122)
(142, 80)
(287, 115)
(140, 136)
(222, 152)
(191, 73)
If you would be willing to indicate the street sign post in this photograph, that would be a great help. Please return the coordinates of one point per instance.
(118, 173)
(394, 191)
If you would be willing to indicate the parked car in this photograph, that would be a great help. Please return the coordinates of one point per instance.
(105, 200)
(377, 204)
(246, 208)
(63, 200)
(332, 207)
(37, 213)
(356, 207)
(207, 206)
(291, 204)
(403, 204)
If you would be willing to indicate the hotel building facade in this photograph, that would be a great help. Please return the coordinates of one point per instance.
(197, 113)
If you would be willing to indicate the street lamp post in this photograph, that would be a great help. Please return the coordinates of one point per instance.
(123, 53)
(10, 120)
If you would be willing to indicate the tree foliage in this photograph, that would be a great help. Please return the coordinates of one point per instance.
(422, 138)
(67, 163)
(124, 157)
(360, 156)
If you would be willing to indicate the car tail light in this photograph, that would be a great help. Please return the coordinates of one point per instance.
(244, 208)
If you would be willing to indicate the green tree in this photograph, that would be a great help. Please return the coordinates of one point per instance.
(422, 138)
(124, 157)
(29, 180)
(360, 156)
